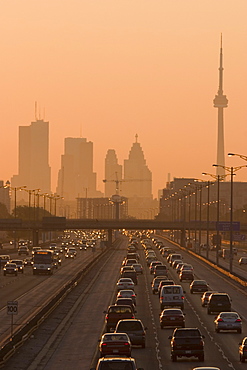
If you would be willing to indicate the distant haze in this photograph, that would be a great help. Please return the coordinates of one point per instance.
(109, 69)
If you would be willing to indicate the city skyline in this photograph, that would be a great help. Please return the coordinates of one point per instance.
(106, 73)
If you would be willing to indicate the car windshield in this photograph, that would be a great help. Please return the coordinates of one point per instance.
(129, 326)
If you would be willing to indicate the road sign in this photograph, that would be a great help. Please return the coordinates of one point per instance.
(226, 226)
(239, 237)
(12, 308)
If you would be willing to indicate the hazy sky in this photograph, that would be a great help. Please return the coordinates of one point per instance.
(108, 69)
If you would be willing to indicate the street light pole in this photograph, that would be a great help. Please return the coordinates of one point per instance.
(232, 171)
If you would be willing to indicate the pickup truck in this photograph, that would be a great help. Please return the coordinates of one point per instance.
(187, 342)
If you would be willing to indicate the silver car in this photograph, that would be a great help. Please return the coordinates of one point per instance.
(228, 321)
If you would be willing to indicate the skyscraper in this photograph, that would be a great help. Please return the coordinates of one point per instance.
(113, 173)
(76, 177)
(220, 102)
(137, 183)
(34, 170)
(137, 176)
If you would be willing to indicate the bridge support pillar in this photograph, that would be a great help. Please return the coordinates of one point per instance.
(182, 238)
(35, 238)
(109, 238)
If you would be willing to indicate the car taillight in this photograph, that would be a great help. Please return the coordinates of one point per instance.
(106, 317)
(182, 297)
(219, 320)
(103, 344)
(126, 344)
(238, 320)
(201, 342)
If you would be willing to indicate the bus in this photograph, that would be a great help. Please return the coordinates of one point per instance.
(43, 262)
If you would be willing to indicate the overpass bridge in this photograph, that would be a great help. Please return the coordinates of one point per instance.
(62, 223)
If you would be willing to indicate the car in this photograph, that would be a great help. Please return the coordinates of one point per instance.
(23, 250)
(138, 268)
(179, 266)
(126, 302)
(10, 269)
(155, 283)
(126, 268)
(115, 313)
(72, 250)
(69, 254)
(125, 283)
(132, 274)
(172, 317)
(206, 368)
(130, 262)
(115, 344)
(219, 302)
(116, 363)
(164, 282)
(198, 286)
(187, 267)
(19, 264)
(152, 266)
(186, 275)
(242, 261)
(205, 297)
(127, 293)
(160, 270)
(135, 330)
(228, 321)
(175, 263)
(28, 262)
(243, 350)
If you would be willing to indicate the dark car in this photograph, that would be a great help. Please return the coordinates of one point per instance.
(116, 313)
(135, 330)
(19, 264)
(186, 275)
(115, 344)
(172, 317)
(198, 286)
(205, 297)
(243, 350)
(219, 302)
(187, 342)
(116, 363)
(130, 274)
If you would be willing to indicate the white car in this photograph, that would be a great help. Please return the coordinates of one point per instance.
(125, 283)
(127, 293)
(228, 321)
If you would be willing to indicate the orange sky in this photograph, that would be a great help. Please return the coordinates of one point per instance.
(108, 69)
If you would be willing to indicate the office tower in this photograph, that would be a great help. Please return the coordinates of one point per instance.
(220, 102)
(5, 194)
(113, 173)
(34, 170)
(137, 184)
(76, 178)
(137, 176)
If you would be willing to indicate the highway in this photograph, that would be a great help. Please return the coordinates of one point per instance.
(69, 338)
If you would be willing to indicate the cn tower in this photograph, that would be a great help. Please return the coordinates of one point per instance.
(220, 102)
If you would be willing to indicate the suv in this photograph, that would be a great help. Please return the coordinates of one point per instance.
(116, 363)
(135, 330)
(219, 302)
(187, 342)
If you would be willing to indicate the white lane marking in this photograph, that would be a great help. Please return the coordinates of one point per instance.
(229, 363)
(157, 342)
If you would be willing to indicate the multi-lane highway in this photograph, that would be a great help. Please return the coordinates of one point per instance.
(69, 338)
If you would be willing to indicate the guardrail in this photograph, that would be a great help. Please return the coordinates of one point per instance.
(8, 347)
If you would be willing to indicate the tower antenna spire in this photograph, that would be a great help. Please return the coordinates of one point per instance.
(220, 102)
(35, 110)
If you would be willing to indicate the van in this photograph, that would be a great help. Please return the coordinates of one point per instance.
(172, 296)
